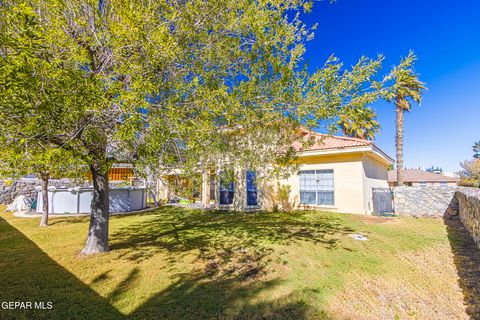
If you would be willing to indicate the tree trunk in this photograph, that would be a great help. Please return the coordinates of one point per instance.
(399, 145)
(44, 220)
(97, 238)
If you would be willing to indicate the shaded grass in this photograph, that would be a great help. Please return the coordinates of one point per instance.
(176, 263)
(467, 261)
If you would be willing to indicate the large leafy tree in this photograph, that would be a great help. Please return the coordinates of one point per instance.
(405, 89)
(167, 82)
(350, 92)
(18, 159)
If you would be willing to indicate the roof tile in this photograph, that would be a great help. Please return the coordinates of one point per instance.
(328, 142)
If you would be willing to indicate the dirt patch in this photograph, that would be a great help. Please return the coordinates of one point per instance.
(374, 219)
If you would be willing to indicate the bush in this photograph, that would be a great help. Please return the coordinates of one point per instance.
(473, 183)
(283, 193)
(470, 176)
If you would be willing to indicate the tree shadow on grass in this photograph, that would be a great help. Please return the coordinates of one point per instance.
(28, 274)
(233, 259)
(198, 298)
(226, 287)
(58, 221)
(467, 260)
(178, 230)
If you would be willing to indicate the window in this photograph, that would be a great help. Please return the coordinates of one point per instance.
(316, 187)
(227, 188)
(443, 184)
(423, 184)
(251, 188)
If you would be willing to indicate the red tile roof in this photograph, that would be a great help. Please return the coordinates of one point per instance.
(328, 142)
(417, 175)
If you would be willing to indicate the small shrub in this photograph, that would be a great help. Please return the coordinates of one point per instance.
(473, 183)
(470, 175)
(283, 194)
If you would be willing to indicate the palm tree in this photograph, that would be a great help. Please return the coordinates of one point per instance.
(476, 150)
(359, 122)
(405, 89)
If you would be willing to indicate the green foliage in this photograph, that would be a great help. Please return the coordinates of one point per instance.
(77, 76)
(18, 160)
(283, 196)
(360, 122)
(340, 94)
(470, 175)
(167, 84)
(404, 86)
(476, 150)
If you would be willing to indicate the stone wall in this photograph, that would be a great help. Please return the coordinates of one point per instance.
(26, 187)
(422, 202)
(468, 210)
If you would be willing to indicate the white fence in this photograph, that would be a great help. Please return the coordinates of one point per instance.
(79, 200)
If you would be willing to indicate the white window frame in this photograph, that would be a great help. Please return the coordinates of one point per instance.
(318, 188)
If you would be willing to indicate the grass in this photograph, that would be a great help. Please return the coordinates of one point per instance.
(175, 263)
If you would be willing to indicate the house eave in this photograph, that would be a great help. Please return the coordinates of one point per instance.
(372, 150)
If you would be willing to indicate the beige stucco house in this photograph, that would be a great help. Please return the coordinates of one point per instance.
(341, 171)
(335, 174)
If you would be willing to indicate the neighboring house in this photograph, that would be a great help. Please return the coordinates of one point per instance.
(121, 172)
(118, 172)
(335, 174)
(420, 178)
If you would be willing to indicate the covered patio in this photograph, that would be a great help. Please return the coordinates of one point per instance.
(212, 189)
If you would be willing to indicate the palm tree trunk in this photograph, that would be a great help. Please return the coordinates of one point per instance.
(399, 144)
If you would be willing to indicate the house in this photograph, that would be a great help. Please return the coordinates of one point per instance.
(420, 178)
(339, 174)
(119, 172)
(335, 173)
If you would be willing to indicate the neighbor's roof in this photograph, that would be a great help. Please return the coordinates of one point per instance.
(417, 175)
(327, 142)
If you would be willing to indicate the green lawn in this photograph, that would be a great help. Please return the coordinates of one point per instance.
(175, 263)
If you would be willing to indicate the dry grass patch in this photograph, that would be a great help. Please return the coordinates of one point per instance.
(424, 287)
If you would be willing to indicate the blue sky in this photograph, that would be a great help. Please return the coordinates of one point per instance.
(445, 35)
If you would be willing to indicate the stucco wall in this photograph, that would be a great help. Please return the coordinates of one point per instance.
(375, 175)
(422, 202)
(348, 181)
